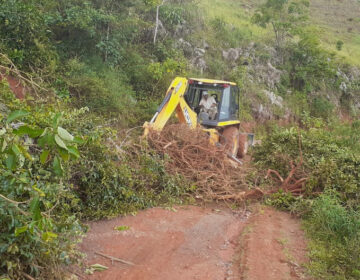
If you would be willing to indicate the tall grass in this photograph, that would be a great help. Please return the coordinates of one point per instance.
(334, 231)
(237, 14)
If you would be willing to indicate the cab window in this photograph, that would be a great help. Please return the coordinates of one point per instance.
(229, 104)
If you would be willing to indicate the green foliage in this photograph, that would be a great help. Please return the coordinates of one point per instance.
(339, 45)
(161, 73)
(226, 35)
(37, 228)
(281, 200)
(322, 108)
(172, 15)
(50, 178)
(109, 185)
(331, 162)
(333, 221)
(328, 162)
(310, 68)
(298, 103)
(122, 228)
(283, 16)
(217, 67)
(80, 28)
(95, 52)
(24, 35)
(334, 230)
(100, 88)
(152, 2)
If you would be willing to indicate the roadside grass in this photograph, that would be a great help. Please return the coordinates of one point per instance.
(334, 247)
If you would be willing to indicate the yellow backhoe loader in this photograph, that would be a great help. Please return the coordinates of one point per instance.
(186, 98)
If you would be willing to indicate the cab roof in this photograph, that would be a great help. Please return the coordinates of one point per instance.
(210, 81)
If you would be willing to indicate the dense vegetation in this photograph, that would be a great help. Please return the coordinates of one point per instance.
(92, 69)
(51, 179)
(330, 204)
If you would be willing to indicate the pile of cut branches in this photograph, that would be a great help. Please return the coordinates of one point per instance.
(192, 155)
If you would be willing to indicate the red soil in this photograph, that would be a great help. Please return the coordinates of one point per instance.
(197, 243)
(274, 247)
(15, 85)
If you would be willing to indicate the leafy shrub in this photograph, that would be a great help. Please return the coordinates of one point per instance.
(38, 230)
(98, 87)
(226, 35)
(339, 45)
(298, 103)
(321, 107)
(282, 200)
(172, 15)
(310, 68)
(328, 163)
(24, 36)
(109, 184)
(217, 68)
(160, 74)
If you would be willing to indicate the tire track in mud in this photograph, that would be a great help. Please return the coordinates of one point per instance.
(272, 247)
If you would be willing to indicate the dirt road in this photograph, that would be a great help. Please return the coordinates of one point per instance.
(198, 243)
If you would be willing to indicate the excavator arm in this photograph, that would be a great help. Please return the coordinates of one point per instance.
(174, 101)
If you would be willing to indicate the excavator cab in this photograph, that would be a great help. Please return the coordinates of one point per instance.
(225, 94)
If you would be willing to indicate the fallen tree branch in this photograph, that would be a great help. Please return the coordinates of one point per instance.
(19, 74)
(27, 276)
(114, 259)
(268, 173)
(16, 204)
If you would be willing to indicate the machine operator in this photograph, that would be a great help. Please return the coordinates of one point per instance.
(208, 105)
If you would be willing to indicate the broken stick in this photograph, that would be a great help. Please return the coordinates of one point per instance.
(114, 259)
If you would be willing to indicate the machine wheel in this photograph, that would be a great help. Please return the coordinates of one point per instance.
(231, 140)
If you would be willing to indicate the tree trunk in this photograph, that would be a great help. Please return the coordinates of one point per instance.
(157, 20)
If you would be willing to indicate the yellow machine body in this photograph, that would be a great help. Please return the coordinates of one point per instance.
(175, 101)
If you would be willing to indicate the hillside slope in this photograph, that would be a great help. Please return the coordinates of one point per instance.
(324, 83)
(335, 19)
(339, 20)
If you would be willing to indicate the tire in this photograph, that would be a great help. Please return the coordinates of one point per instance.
(230, 138)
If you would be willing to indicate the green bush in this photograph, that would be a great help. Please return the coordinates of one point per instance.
(321, 107)
(37, 228)
(309, 67)
(226, 35)
(24, 35)
(327, 161)
(109, 184)
(339, 45)
(98, 87)
(281, 200)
